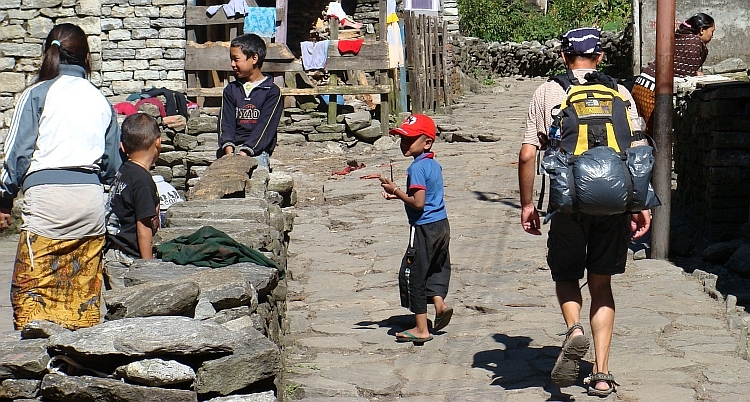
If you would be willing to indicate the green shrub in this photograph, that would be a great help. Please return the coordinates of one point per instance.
(515, 20)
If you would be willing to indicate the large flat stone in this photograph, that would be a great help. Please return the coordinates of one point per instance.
(152, 299)
(252, 361)
(41, 329)
(224, 176)
(62, 388)
(263, 279)
(156, 372)
(145, 336)
(23, 358)
(267, 396)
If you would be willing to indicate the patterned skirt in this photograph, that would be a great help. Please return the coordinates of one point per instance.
(644, 101)
(57, 280)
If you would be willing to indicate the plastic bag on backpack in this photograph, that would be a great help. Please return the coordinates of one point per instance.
(600, 181)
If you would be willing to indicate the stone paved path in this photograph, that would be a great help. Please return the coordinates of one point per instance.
(671, 341)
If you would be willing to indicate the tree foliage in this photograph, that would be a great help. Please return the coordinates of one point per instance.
(515, 20)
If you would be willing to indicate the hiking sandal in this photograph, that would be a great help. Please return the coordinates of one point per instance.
(565, 371)
(593, 378)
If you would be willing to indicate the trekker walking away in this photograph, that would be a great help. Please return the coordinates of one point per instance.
(690, 52)
(251, 106)
(62, 145)
(426, 268)
(579, 242)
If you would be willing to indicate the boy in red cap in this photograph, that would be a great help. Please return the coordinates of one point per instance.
(426, 268)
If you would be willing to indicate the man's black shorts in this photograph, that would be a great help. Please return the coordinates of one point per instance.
(426, 267)
(597, 243)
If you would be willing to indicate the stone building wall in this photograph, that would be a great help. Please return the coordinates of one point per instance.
(712, 157)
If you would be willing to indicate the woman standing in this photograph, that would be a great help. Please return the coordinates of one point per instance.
(62, 145)
(690, 53)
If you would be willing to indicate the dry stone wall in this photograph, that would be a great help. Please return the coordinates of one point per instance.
(480, 59)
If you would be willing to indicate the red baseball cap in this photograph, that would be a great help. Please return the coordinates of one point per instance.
(416, 125)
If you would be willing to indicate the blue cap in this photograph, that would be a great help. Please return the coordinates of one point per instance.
(582, 41)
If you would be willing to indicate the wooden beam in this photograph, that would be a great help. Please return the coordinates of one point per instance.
(322, 90)
(372, 56)
(215, 56)
(197, 15)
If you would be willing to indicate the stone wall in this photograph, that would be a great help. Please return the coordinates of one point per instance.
(479, 59)
(142, 45)
(712, 157)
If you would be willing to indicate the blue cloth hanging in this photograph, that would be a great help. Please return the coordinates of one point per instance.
(260, 21)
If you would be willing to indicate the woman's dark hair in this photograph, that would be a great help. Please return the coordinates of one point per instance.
(694, 24)
(65, 44)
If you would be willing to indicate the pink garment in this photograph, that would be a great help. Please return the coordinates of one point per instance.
(125, 108)
(153, 101)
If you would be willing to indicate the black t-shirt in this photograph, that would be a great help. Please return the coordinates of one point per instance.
(132, 197)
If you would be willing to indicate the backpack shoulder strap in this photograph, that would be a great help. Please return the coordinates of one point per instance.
(565, 80)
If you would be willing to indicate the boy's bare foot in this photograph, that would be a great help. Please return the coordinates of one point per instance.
(414, 333)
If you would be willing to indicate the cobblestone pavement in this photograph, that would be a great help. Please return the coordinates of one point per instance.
(671, 341)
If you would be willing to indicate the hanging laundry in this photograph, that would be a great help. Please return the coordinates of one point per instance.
(350, 45)
(314, 54)
(393, 34)
(335, 11)
(231, 9)
(260, 21)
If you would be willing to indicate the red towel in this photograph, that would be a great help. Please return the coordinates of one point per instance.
(350, 45)
(125, 108)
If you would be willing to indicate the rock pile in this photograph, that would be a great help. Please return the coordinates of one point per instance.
(176, 332)
(533, 59)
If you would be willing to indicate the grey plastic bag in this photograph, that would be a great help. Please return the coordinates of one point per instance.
(600, 181)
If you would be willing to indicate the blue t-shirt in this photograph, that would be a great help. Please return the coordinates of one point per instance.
(426, 174)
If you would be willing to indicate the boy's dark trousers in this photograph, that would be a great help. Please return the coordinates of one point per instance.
(426, 267)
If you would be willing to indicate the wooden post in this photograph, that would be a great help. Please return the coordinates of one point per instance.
(333, 80)
(402, 91)
(663, 109)
(281, 33)
(410, 60)
(385, 110)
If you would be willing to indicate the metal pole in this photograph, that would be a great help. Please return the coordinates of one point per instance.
(663, 109)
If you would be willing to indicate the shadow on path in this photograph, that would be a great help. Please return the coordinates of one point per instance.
(516, 365)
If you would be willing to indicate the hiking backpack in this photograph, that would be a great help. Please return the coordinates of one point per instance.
(592, 168)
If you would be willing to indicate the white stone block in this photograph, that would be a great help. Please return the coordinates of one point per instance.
(175, 85)
(174, 54)
(21, 49)
(26, 4)
(112, 65)
(90, 25)
(88, 7)
(166, 43)
(136, 22)
(146, 75)
(127, 87)
(176, 75)
(123, 12)
(109, 24)
(151, 53)
(169, 64)
(119, 34)
(148, 11)
(95, 44)
(168, 23)
(173, 11)
(148, 33)
(7, 64)
(133, 65)
(22, 14)
(172, 33)
(131, 44)
(12, 32)
(12, 82)
(57, 12)
(6, 4)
